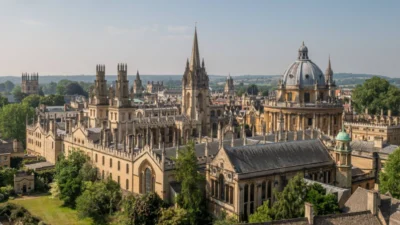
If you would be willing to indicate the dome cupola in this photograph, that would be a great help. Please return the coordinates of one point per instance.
(303, 52)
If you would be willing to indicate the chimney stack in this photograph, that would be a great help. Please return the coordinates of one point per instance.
(372, 202)
(309, 212)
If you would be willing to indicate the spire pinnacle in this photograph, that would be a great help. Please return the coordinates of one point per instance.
(195, 58)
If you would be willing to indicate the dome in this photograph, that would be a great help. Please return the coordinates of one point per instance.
(303, 72)
(343, 136)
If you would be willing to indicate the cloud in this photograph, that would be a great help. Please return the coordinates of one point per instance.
(177, 29)
(31, 22)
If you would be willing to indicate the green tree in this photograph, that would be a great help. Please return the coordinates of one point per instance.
(173, 216)
(31, 101)
(143, 210)
(3, 101)
(50, 88)
(12, 121)
(52, 100)
(191, 197)
(8, 86)
(390, 176)
(7, 176)
(323, 203)
(99, 200)
(376, 94)
(17, 93)
(225, 220)
(75, 88)
(262, 214)
(61, 86)
(70, 176)
(252, 89)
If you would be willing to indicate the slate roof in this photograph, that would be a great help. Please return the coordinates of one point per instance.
(281, 155)
(368, 146)
(389, 207)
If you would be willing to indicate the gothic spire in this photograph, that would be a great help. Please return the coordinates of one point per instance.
(195, 58)
(329, 72)
(137, 75)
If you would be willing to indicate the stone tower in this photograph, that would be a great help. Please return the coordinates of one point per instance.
(137, 85)
(342, 156)
(195, 89)
(122, 86)
(229, 89)
(30, 83)
(100, 86)
(329, 79)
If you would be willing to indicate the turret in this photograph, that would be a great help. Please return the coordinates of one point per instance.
(342, 159)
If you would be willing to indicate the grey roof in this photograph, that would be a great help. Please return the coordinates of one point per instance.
(6, 147)
(368, 146)
(389, 207)
(248, 159)
(342, 194)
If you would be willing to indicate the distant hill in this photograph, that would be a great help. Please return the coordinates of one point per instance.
(342, 79)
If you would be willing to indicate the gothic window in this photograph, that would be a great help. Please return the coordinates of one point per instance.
(127, 184)
(251, 198)
(231, 195)
(95, 157)
(221, 187)
(119, 165)
(246, 200)
(110, 163)
(148, 181)
(263, 191)
(127, 168)
(269, 191)
(102, 160)
(289, 96)
(118, 180)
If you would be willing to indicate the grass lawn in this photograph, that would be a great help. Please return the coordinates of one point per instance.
(50, 210)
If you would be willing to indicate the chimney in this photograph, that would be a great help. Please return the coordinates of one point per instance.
(378, 142)
(372, 202)
(309, 212)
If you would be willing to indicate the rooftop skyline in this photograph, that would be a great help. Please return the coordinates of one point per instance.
(236, 37)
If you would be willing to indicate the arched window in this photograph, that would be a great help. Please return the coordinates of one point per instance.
(221, 187)
(148, 181)
(263, 191)
(269, 191)
(306, 97)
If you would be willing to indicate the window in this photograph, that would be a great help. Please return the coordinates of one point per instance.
(289, 96)
(127, 168)
(127, 184)
(110, 175)
(221, 187)
(118, 180)
(102, 159)
(95, 157)
(119, 165)
(263, 191)
(148, 181)
(110, 163)
(251, 198)
(306, 97)
(102, 174)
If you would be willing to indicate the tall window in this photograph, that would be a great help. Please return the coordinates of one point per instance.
(263, 191)
(110, 163)
(127, 168)
(119, 165)
(102, 160)
(95, 157)
(251, 198)
(127, 184)
(148, 181)
(221, 187)
(246, 199)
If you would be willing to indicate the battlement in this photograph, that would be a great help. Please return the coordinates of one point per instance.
(100, 69)
(122, 68)
(30, 77)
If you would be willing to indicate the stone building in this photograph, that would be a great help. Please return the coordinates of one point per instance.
(154, 87)
(24, 182)
(137, 85)
(306, 98)
(229, 89)
(366, 127)
(30, 83)
(9, 149)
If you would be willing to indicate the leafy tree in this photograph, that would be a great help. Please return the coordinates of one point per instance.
(390, 177)
(290, 202)
(52, 100)
(13, 119)
(31, 101)
(7, 176)
(17, 93)
(191, 196)
(50, 88)
(3, 101)
(75, 88)
(225, 220)
(70, 176)
(61, 86)
(262, 214)
(16, 162)
(173, 216)
(41, 93)
(252, 89)
(143, 210)
(8, 86)
(99, 200)
(376, 94)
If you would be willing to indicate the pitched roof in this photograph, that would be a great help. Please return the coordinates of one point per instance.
(247, 159)
(389, 207)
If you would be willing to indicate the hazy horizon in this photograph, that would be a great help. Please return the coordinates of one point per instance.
(236, 37)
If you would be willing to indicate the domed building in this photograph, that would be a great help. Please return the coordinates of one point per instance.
(305, 95)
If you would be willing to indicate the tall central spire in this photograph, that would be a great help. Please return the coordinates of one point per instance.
(195, 58)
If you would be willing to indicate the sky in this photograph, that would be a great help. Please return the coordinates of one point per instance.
(70, 37)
